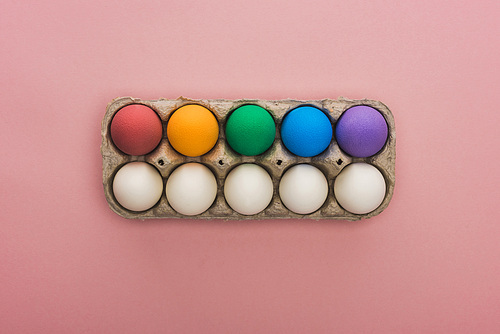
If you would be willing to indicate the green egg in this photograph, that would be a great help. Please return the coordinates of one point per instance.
(250, 130)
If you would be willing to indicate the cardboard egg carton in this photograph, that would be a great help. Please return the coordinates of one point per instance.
(221, 158)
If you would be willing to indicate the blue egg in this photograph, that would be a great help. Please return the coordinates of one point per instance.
(306, 131)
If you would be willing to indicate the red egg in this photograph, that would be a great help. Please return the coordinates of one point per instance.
(136, 129)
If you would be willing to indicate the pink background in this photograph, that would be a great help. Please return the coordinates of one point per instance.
(430, 263)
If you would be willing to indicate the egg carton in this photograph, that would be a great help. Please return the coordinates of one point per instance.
(222, 158)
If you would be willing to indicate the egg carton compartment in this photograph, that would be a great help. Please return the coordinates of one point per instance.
(221, 159)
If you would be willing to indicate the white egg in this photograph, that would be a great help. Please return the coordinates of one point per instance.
(191, 189)
(303, 189)
(137, 186)
(248, 189)
(359, 188)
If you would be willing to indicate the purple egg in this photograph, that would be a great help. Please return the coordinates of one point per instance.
(361, 131)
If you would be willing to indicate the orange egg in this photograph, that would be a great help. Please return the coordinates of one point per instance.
(192, 130)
